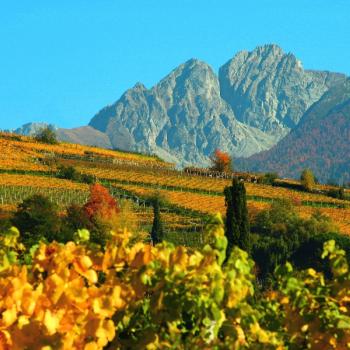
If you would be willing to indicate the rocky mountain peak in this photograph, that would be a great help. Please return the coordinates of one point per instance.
(269, 89)
(182, 118)
(191, 72)
(258, 97)
(193, 62)
(139, 86)
(268, 49)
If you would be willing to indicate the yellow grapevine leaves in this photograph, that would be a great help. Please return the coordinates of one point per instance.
(51, 322)
(139, 296)
(9, 316)
(59, 296)
(140, 255)
(59, 301)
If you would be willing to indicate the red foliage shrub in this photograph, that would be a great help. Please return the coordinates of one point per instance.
(221, 161)
(101, 204)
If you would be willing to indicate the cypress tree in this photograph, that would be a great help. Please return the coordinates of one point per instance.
(157, 227)
(237, 222)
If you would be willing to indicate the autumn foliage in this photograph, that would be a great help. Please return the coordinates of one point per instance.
(221, 161)
(66, 309)
(165, 297)
(101, 205)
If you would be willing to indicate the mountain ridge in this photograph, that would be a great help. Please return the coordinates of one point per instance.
(192, 91)
(187, 100)
(255, 100)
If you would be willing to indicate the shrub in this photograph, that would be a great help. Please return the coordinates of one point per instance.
(280, 233)
(87, 179)
(101, 204)
(309, 254)
(307, 180)
(77, 218)
(268, 178)
(68, 172)
(74, 220)
(221, 161)
(47, 135)
(5, 221)
(338, 193)
(37, 219)
(280, 212)
(102, 211)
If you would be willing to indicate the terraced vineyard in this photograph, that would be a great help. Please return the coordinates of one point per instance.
(40, 182)
(181, 181)
(212, 204)
(134, 177)
(20, 152)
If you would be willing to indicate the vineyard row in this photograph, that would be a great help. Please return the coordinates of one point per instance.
(191, 232)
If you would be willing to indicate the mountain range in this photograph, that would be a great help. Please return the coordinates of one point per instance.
(257, 100)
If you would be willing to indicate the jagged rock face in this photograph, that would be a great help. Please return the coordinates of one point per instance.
(259, 97)
(270, 90)
(319, 142)
(183, 119)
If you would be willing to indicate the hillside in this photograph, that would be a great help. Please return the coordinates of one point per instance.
(28, 167)
(320, 142)
(84, 249)
(85, 135)
(167, 184)
(25, 153)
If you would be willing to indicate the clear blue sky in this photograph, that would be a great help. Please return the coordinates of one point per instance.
(63, 60)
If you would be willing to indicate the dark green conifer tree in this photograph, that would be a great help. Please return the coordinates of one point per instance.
(157, 227)
(237, 221)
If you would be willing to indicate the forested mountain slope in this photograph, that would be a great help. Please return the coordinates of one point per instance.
(321, 142)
